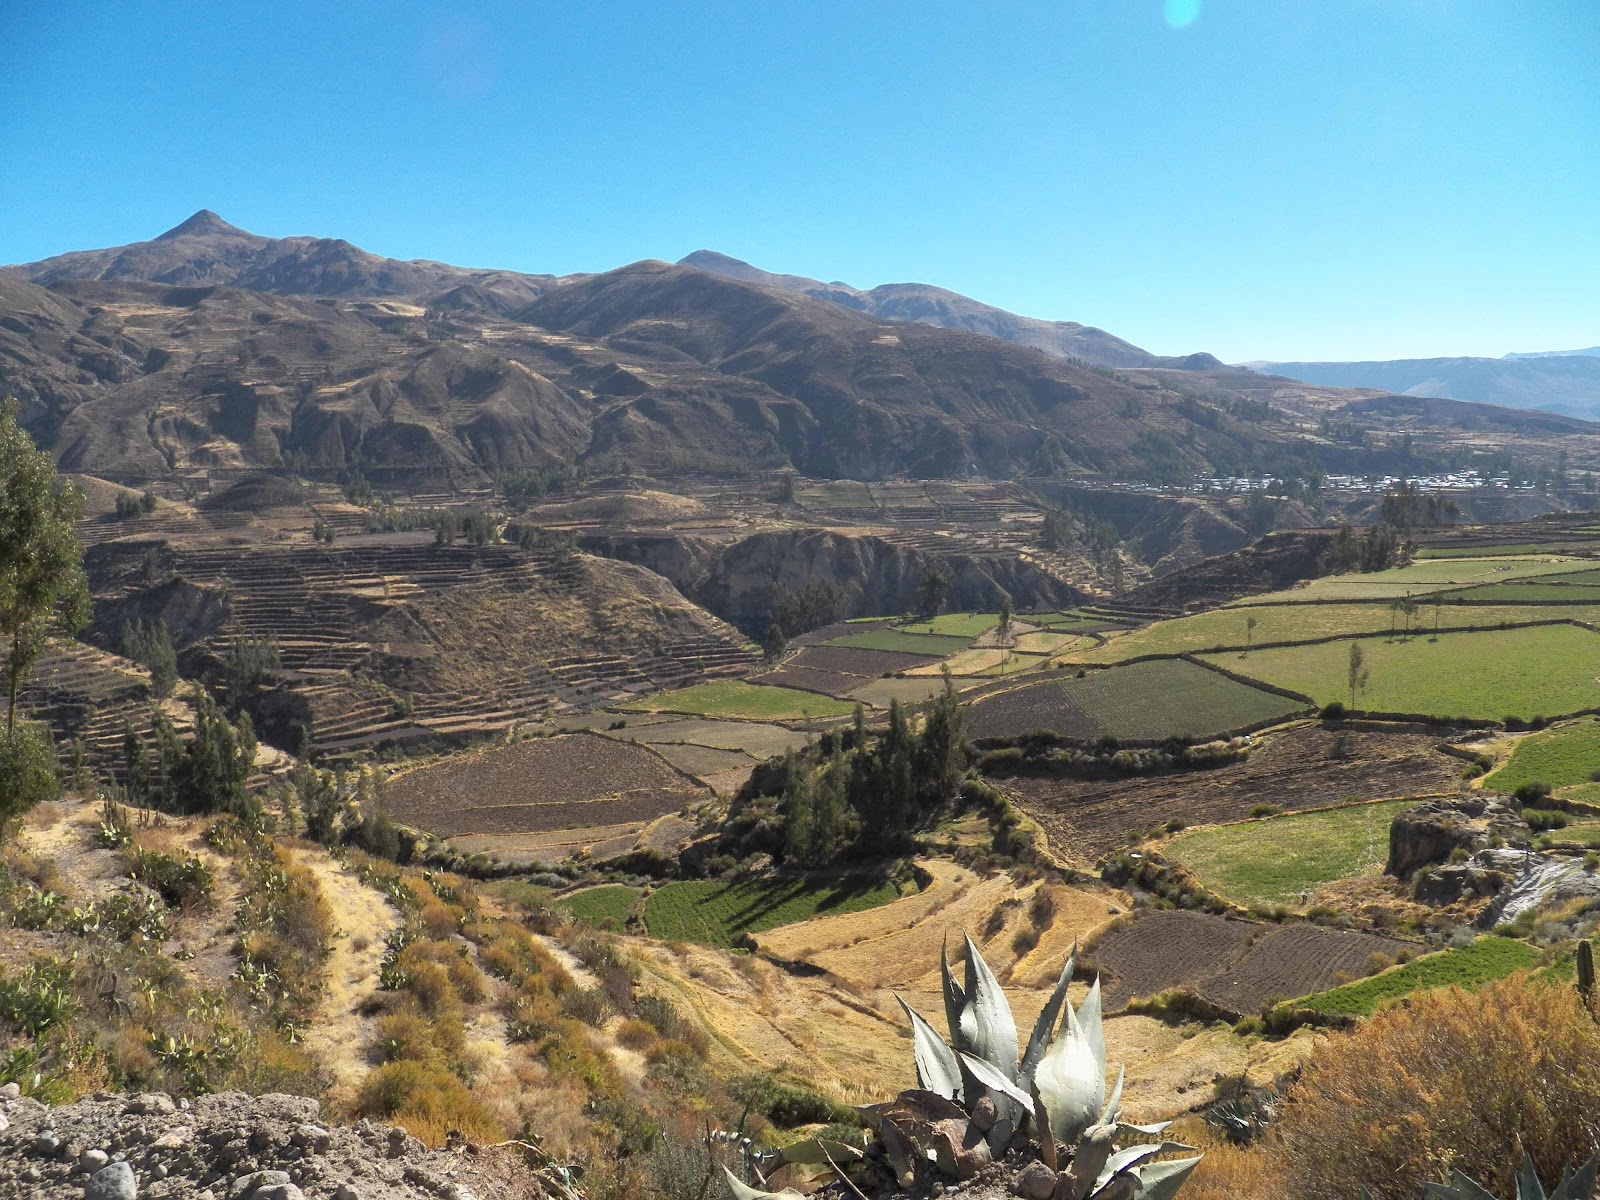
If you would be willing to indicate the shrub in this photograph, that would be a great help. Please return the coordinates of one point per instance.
(1452, 1080)
(1266, 810)
(588, 1005)
(636, 1034)
(180, 882)
(1024, 940)
(1542, 820)
(1533, 794)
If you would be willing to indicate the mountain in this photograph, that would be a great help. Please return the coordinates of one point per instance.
(210, 348)
(929, 305)
(1566, 383)
(1591, 351)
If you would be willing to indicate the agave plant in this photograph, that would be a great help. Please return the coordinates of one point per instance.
(1575, 1185)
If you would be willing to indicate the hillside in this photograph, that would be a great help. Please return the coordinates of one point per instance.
(1560, 383)
(209, 348)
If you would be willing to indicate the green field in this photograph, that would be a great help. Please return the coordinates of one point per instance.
(1065, 620)
(606, 907)
(1579, 833)
(715, 914)
(1544, 671)
(1419, 577)
(1486, 959)
(1279, 859)
(1538, 592)
(962, 625)
(1165, 698)
(735, 698)
(1475, 551)
(906, 643)
(1565, 755)
(1304, 623)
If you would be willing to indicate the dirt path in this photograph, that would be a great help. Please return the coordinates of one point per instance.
(338, 1036)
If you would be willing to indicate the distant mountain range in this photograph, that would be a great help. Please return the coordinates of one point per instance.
(1559, 383)
(211, 348)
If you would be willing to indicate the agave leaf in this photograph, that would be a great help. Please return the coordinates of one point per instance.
(955, 999)
(1464, 1188)
(1113, 1104)
(1045, 1027)
(1070, 1082)
(987, 1025)
(1528, 1185)
(743, 1191)
(1122, 1160)
(1581, 1185)
(938, 1068)
(995, 1080)
(1161, 1180)
(1146, 1130)
(930, 1106)
(818, 1152)
(1089, 1021)
(899, 1150)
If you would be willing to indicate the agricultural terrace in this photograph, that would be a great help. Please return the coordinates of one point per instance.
(716, 914)
(1147, 701)
(1487, 959)
(1240, 965)
(1560, 757)
(1283, 860)
(1302, 767)
(607, 907)
(574, 781)
(1544, 671)
(1227, 628)
(1418, 578)
(930, 644)
(735, 699)
(962, 625)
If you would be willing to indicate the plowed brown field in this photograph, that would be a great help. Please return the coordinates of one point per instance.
(1309, 767)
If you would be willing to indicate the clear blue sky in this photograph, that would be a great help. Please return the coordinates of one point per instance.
(1280, 179)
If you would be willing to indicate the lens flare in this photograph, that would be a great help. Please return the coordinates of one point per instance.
(1180, 14)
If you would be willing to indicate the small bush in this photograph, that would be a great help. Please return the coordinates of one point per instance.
(1266, 810)
(181, 883)
(588, 1005)
(1533, 794)
(1543, 820)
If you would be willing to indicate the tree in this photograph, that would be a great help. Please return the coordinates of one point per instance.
(27, 771)
(1250, 623)
(1358, 672)
(933, 588)
(775, 643)
(41, 561)
(216, 764)
(248, 666)
(1002, 631)
(151, 646)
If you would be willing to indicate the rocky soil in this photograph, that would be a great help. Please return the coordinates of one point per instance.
(231, 1146)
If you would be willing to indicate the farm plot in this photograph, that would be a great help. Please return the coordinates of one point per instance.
(1560, 757)
(1539, 592)
(1308, 767)
(1239, 965)
(1419, 577)
(853, 660)
(1548, 670)
(927, 644)
(715, 914)
(805, 679)
(982, 661)
(1147, 701)
(880, 693)
(962, 625)
(736, 699)
(1228, 628)
(572, 782)
(1489, 958)
(1284, 860)
(607, 906)
(751, 737)
(702, 761)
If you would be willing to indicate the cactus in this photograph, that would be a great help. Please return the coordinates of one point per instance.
(1586, 972)
(1579, 1185)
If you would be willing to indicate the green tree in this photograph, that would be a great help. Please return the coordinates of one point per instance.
(1358, 673)
(933, 588)
(775, 643)
(216, 763)
(27, 771)
(151, 646)
(249, 665)
(1250, 623)
(41, 561)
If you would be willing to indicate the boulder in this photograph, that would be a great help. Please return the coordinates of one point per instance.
(1436, 829)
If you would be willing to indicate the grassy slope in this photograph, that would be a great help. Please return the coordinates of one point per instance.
(1274, 861)
(716, 913)
(1418, 577)
(1169, 697)
(599, 905)
(1304, 622)
(964, 625)
(734, 698)
(1518, 672)
(906, 643)
(1565, 755)
(1486, 959)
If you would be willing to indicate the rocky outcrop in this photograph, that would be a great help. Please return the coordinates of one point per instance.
(231, 1146)
(1433, 831)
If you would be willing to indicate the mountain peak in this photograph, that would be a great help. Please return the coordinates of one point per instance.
(204, 223)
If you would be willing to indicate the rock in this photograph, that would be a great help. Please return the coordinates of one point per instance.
(5, 1123)
(347, 1191)
(1035, 1182)
(1534, 882)
(983, 1115)
(46, 1144)
(114, 1182)
(959, 1149)
(1436, 829)
(278, 1191)
(10, 1091)
(260, 1139)
(152, 1104)
(312, 1138)
(93, 1160)
(247, 1185)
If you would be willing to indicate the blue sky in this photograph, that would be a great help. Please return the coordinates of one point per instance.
(1264, 179)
